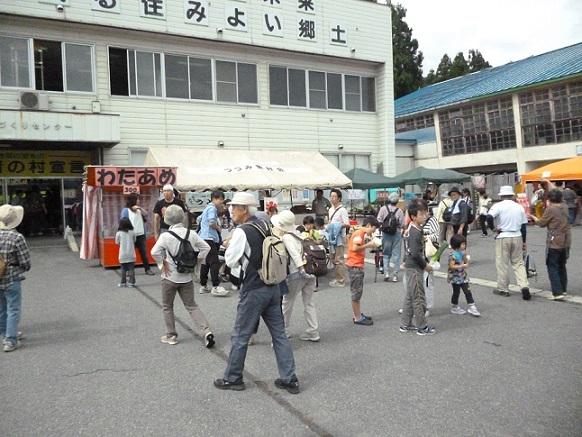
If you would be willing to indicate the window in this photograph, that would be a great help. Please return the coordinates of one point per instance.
(48, 65)
(226, 81)
(200, 79)
(287, 86)
(353, 93)
(348, 161)
(422, 122)
(334, 91)
(247, 83)
(148, 73)
(177, 85)
(368, 94)
(79, 67)
(137, 156)
(278, 86)
(334, 159)
(14, 62)
(140, 73)
(317, 92)
(236, 82)
(297, 88)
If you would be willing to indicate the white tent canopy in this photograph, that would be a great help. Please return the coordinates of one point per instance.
(227, 169)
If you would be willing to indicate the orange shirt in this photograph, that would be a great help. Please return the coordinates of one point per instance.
(356, 257)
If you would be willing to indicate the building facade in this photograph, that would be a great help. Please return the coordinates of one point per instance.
(100, 81)
(512, 118)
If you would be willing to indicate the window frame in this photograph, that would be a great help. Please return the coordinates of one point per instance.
(236, 62)
(189, 99)
(30, 56)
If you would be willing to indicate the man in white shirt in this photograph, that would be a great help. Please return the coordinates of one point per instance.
(511, 225)
(339, 214)
(244, 256)
(163, 252)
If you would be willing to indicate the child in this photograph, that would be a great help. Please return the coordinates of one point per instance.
(356, 254)
(125, 237)
(310, 233)
(458, 263)
(415, 266)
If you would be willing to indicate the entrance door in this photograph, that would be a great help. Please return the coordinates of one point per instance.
(42, 203)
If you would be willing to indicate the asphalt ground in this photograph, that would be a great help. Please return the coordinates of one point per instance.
(92, 363)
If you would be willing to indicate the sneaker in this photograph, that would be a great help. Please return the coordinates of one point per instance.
(223, 384)
(234, 287)
(337, 284)
(149, 273)
(291, 386)
(395, 278)
(560, 296)
(209, 340)
(427, 330)
(473, 310)
(122, 285)
(131, 285)
(456, 309)
(169, 339)
(501, 292)
(310, 337)
(219, 292)
(525, 293)
(364, 321)
(407, 328)
(204, 289)
(484, 235)
(367, 317)
(387, 278)
(9, 346)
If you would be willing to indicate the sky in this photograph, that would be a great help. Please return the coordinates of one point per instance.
(502, 30)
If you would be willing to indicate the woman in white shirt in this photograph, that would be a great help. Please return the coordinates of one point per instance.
(137, 217)
(298, 281)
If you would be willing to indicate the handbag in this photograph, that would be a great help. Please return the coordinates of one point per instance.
(429, 247)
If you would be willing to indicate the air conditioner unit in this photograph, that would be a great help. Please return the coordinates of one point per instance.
(35, 101)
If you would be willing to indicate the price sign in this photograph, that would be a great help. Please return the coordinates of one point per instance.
(130, 189)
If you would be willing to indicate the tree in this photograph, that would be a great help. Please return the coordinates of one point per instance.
(476, 61)
(406, 56)
(444, 69)
(430, 77)
(459, 66)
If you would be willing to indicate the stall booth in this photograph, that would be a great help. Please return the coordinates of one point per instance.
(105, 193)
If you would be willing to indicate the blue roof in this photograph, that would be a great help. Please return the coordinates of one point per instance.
(425, 135)
(554, 65)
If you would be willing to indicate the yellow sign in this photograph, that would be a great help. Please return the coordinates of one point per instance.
(43, 163)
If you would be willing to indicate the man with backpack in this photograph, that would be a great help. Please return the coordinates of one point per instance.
(176, 252)
(444, 205)
(260, 296)
(391, 219)
(458, 212)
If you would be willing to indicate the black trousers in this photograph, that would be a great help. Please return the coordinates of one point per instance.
(556, 263)
(140, 245)
(465, 229)
(485, 222)
(212, 265)
(457, 291)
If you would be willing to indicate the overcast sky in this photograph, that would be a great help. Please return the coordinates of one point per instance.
(503, 30)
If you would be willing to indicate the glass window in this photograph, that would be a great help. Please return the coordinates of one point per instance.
(353, 93)
(118, 82)
(79, 67)
(297, 90)
(278, 86)
(226, 81)
(368, 94)
(14, 62)
(334, 91)
(334, 159)
(317, 94)
(158, 74)
(137, 156)
(132, 81)
(177, 76)
(200, 79)
(363, 161)
(145, 74)
(48, 65)
(247, 83)
(348, 162)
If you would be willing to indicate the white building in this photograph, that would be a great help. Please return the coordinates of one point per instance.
(512, 118)
(100, 81)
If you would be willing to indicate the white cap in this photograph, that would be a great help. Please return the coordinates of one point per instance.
(244, 199)
(506, 190)
(168, 187)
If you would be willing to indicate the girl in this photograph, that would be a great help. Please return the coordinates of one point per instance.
(458, 264)
(431, 231)
(137, 217)
(125, 238)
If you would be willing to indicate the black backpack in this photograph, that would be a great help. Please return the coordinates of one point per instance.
(470, 213)
(390, 223)
(448, 212)
(186, 258)
(316, 257)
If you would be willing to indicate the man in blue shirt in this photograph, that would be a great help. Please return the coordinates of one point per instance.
(210, 232)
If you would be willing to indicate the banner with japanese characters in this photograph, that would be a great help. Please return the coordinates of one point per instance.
(110, 177)
(25, 163)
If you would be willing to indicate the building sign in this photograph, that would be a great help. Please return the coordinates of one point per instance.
(112, 6)
(338, 33)
(43, 163)
(152, 9)
(196, 12)
(236, 16)
(131, 176)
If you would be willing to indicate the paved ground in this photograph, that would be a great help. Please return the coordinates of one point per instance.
(92, 363)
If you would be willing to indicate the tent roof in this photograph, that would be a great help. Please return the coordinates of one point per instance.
(363, 179)
(567, 170)
(421, 175)
(228, 169)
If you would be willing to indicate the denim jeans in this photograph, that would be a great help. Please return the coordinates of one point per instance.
(263, 302)
(391, 247)
(140, 245)
(556, 263)
(10, 303)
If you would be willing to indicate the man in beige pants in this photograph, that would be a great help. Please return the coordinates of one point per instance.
(511, 225)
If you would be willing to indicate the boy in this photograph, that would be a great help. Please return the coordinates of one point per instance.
(310, 233)
(356, 253)
(415, 265)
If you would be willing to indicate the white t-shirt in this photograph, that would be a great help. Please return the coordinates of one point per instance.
(341, 216)
(509, 217)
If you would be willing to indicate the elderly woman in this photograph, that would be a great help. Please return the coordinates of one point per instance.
(165, 253)
(558, 242)
(137, 216)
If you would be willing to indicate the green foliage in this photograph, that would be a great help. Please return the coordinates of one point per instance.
(459, 66)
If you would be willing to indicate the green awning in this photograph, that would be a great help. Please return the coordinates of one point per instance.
(364, 179)
(421, 175)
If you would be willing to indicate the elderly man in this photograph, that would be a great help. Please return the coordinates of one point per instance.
(460, 212)
(14, 261)
(170, 198)
(511, 225)
(165, 252)
(244, 256)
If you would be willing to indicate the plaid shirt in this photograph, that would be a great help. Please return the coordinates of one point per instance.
(14, 252)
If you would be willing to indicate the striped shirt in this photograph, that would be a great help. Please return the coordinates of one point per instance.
(15, 253)
(431, 229)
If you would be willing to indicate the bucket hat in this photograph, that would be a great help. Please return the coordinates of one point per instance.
(454, 190)
(285, 221)
(506, 190)
(10, 216)
(243, 199)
